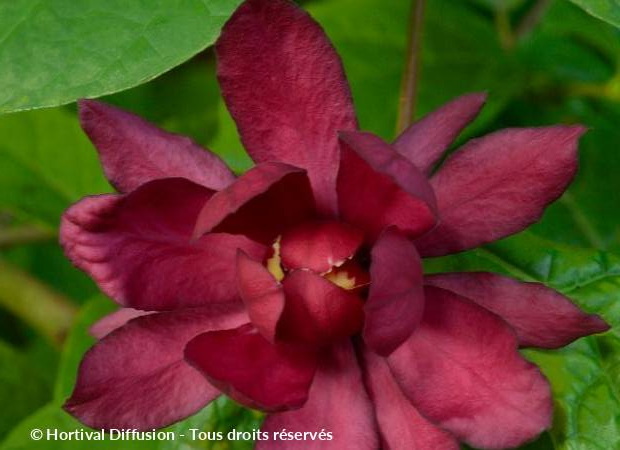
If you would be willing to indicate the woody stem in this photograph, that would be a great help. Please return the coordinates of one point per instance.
(409, 84)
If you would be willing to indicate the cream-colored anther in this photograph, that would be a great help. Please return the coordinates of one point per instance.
(274, 264)
(340, 278)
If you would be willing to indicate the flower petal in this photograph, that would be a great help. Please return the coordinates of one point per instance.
(400, 423)
(377, 188)
(396, 299)
(319, 245)
(112, 321)
(262, 294)
(263, 202)
(499, 184)
(317, 311)
(251, 370)
(133, 151)
(337, 404)
(426, 140)
(540, 316)
(137, 247)
(462, 371)
(136, 377)
(285, 87)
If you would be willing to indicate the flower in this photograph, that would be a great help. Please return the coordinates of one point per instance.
(297, 288)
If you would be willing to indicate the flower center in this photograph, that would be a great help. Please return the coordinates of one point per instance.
(323, 279)
(327, 248)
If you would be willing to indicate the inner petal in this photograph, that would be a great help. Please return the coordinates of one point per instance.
(318, 312)
(319, 245)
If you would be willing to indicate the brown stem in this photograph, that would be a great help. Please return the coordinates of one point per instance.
(531, 18)
(504, 29)
(409, 85)
(10, 237)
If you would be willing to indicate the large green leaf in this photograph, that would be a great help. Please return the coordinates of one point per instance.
(57, 51)
(607, 10)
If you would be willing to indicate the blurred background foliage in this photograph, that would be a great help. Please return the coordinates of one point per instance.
(541, 61)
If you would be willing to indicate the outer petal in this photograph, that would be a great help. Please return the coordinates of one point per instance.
(540, 316)
(499, 184)
(137, 247)
(396, 299)
(251, 370)
(285, 87)
(112, 321)
(317, 311)
(426, 140)
(401, 425)
(133, 151)
(338, 404)
(263, 202)
(377, 188)
(461, 369)
(262, 294)
(319, 245)
(136, 377)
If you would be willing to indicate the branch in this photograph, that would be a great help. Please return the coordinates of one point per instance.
(10, 237)
(531, 18)
(409, 85)
(45, 310)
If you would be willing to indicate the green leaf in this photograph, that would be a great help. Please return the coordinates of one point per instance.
(54, 52)
(47, 164)
(19, 397)
(607, 10)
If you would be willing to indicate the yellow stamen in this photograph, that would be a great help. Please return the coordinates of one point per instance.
(340, 278)
(274, 264)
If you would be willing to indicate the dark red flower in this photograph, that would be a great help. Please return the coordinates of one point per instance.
(297, 288)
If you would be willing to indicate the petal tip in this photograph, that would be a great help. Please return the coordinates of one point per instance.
(478, 97)
(598, 324)
(579, 130)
